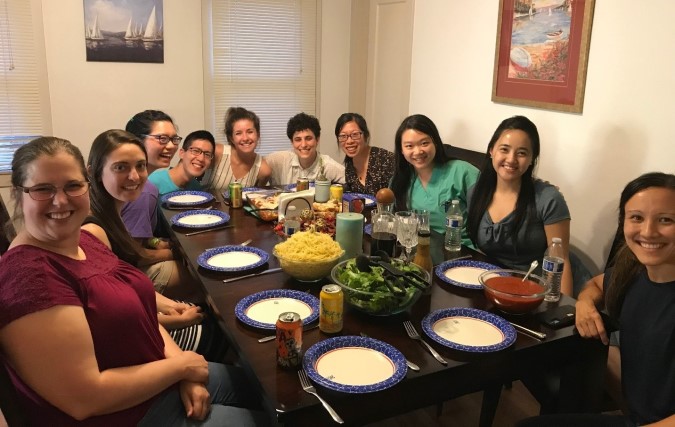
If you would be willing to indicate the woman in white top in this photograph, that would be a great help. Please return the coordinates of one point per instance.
(238, 161)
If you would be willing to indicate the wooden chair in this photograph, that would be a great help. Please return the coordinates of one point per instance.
(7, 231)
(476, 158)
(9, 402)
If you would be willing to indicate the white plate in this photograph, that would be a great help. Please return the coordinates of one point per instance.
(268, 310)
(468, 331)
(355, 366)
(233, 259)
(463, 273)
(200, 219)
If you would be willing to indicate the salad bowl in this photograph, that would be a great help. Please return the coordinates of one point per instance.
(367, 291)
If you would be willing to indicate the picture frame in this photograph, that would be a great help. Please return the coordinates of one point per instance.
(124, 31)
(541, 54)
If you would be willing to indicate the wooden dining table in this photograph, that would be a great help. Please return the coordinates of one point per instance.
(574, 364)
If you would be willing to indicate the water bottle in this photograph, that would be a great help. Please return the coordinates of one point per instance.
(453, 228)
(291, 221)
(552, 268)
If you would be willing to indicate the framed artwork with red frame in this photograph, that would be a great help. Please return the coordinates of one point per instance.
(542, 53)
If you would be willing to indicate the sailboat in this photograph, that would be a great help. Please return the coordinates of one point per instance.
(95, 33)
(151, 30)
(131, 34)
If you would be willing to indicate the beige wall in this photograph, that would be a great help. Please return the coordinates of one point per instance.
(90, 97)
(626, 128)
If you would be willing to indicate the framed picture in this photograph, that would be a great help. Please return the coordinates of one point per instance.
(124, 31)
(542, 53)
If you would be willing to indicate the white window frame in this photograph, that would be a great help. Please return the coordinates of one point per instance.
(249, 80)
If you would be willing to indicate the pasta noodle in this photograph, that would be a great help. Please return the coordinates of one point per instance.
(308, 246)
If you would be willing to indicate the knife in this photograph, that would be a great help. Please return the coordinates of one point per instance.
(271, 270)
(209, 229)
(271, 337)
(530, 332)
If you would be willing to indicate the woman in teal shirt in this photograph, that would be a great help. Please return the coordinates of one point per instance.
(425, 177)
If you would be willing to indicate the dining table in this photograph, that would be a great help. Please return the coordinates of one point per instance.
(574, 365)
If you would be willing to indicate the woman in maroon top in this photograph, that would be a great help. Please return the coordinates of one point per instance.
(78, 327)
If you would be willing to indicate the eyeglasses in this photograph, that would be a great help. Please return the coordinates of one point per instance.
(198, 152)
(164, 139)
(42, 192)
(356, 136)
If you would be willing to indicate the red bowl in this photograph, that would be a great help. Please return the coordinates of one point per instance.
(509, 293)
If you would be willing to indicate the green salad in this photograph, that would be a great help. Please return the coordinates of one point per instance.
(378, 300)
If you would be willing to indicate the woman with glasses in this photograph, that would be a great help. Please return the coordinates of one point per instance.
(195, 158)
(426, 178)
(158, 133)
(238, 160)
(78, 330)
(367, 168)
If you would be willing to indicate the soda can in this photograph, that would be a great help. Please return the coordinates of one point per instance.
(354, 204)
(302, 184)
(336, 192)
(289, 340)
(331, 308)
(236, 197)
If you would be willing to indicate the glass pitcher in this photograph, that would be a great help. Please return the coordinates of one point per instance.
(383, 236)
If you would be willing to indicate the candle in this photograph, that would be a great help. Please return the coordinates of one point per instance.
(349, 233)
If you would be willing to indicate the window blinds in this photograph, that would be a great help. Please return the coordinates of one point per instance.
(263, 58)
(20, 113)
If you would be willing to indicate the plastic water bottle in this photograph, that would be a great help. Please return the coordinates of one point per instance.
(291, 222)
(552, 268)
(453, 228)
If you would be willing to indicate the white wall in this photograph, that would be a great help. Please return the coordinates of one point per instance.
(88, 98)
(624, 131)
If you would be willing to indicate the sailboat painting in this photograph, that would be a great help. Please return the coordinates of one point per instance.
(124, 31)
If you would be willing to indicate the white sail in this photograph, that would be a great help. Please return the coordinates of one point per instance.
(95, 31)
(130, 32)
(151, 33)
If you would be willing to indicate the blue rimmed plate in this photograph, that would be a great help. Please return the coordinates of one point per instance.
(354, 364)
(463, 273)
(368, 229)
(244, 191)
(261, 310)
(187, 198)
(200, 218)
(232, 258)
(370, 200)
(469, 329)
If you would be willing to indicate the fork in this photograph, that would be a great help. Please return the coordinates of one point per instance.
(412, 333)
(309, 388)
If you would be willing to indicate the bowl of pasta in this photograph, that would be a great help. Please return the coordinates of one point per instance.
(308, 256)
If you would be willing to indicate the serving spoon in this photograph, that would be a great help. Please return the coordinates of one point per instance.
(363, 263)
(534, 265)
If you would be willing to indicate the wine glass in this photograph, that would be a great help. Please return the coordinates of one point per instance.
(406, 231)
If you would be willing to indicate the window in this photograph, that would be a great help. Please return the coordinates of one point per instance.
(20, 109)
(262, 58)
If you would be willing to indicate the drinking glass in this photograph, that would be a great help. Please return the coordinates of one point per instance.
(406, 231)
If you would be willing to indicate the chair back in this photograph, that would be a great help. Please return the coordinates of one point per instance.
(7, 232)
(9, 401)
(476, 158)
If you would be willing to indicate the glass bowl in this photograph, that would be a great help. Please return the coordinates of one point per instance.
(507, 291)
(308, 271)
(375, 298)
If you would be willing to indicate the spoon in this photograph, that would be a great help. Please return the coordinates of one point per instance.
(363, 263)
(534, 265)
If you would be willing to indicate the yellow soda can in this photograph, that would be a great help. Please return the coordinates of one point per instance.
(331, 308)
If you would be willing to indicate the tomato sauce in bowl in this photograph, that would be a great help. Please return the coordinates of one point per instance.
(509, 293)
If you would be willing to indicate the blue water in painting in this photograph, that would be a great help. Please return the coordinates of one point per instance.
(533, 30)
(115, 49)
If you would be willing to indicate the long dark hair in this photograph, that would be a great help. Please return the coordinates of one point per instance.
(627, 266)
(141, 123)
(403, 176)
(487, 181)
(103, 204)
